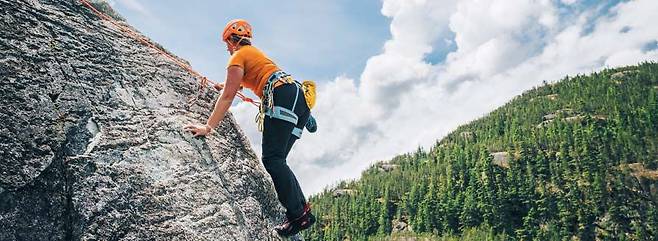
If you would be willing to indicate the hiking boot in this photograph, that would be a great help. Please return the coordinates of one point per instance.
(293, 226)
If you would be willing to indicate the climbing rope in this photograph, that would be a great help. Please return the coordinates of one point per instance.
(131, 33)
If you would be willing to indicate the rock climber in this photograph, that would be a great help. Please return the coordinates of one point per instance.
(284, 111)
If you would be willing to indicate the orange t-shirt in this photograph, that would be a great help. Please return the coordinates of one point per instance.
(257, 68)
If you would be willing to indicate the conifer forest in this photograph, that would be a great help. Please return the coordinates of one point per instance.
(570, 160)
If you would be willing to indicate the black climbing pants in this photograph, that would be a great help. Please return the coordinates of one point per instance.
(277, 142)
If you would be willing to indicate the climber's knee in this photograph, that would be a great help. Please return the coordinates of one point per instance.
(273, 163)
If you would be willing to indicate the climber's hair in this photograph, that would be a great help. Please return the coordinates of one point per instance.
(240, 40)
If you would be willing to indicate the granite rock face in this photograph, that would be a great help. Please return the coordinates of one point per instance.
(91, 140)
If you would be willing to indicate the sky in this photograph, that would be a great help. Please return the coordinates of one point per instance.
(395, 75)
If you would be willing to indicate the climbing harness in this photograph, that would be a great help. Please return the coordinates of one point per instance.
(268, 108)
(133, 34)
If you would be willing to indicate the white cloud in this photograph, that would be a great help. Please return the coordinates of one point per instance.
(568, 2)
(503, 47)
(415, 26)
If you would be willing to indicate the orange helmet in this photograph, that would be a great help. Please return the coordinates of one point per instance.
(238, 27)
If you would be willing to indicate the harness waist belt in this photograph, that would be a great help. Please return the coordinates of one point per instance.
(280, 112)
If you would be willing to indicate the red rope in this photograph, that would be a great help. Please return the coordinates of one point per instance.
(131, 33)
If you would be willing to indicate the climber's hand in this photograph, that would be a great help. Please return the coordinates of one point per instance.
(203, 83)
(198, 130)
(219, 86)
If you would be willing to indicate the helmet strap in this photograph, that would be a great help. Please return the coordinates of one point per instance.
(234, 46)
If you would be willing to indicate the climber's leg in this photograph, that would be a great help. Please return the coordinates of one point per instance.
(303, 117)
(276, 134)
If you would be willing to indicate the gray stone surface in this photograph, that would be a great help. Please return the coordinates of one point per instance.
(91, 146)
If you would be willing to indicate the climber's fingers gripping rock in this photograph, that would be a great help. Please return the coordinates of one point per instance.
(198, 130)
(203, 83)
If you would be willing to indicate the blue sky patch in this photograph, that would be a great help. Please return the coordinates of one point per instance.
(650, 46)
(310, 39)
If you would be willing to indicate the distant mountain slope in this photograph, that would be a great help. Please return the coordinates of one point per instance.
(575, 160)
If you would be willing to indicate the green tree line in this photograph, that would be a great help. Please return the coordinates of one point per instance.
(572, 160)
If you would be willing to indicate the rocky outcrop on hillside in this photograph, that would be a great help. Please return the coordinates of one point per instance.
(91, 141)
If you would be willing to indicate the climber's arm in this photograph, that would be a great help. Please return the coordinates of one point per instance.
(233, 79)
(234, 76)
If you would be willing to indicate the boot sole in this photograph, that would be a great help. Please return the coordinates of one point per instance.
(306, 225)
(297, 229)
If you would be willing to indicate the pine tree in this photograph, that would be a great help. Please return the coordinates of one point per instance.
(384, 220)
(470, 215)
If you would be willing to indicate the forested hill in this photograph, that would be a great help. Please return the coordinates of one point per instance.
(575, 160)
